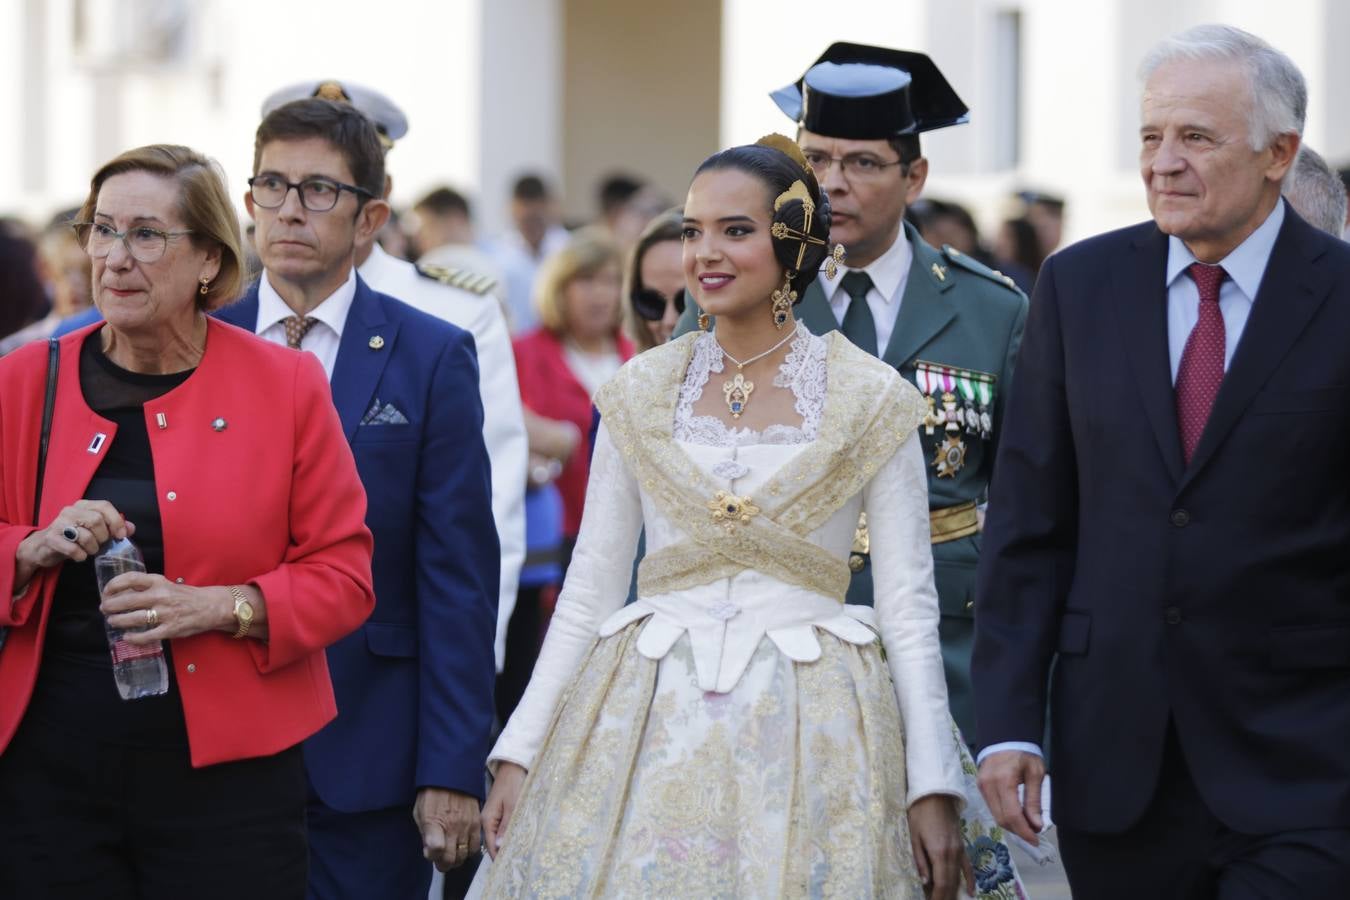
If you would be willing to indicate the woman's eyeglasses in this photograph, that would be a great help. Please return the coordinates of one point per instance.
(651, 305)
(145, 244)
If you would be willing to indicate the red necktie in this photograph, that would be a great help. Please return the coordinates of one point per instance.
(1201, 369)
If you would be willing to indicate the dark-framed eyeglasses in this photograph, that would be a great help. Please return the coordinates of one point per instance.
(145, 244)
(854, 165)
(651, 304)
(269, 191)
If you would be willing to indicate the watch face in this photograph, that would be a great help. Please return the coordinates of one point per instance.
(243, 611)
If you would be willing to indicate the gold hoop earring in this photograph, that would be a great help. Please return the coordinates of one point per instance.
(783, 298)
(205, 288)
(703, 321)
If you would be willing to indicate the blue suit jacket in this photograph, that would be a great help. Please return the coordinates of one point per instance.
(414, 684)
(1214, 594)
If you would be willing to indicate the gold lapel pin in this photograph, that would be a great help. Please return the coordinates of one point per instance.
(377, 343)
(940, 272)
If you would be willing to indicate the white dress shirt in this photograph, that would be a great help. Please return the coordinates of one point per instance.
(1245, 266)
(890, 273)
(323, 339)
(503, 423)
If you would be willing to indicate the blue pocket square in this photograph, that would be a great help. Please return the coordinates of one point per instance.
(383, 414)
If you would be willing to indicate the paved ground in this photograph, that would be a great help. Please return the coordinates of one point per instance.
(1043, 882)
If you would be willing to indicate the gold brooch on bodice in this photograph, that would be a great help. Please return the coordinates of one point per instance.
(730, 510)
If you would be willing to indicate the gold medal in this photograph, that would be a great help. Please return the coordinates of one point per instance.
(950, 456)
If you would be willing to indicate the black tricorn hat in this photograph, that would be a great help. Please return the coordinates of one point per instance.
(859, 92)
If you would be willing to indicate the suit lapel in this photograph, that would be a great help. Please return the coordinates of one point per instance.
(1292, 290)
(1140, 304)
(367, 341)
(924, 311)
(814, 310)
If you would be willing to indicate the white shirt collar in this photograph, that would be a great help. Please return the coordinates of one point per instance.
(1245, 265)
(332, 311)
(888, 271)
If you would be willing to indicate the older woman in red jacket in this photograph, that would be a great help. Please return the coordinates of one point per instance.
(223, 458)
(577, 348)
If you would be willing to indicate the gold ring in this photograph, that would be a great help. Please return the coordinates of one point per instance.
(151, 618)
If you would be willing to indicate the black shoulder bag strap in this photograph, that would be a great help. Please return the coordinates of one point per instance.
(48, 407)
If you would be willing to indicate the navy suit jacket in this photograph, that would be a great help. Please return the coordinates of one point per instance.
(1214, 594)
(414, 684)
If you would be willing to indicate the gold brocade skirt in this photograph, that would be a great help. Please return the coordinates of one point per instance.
(790, 785)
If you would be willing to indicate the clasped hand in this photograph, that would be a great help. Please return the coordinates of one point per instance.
(180, 610)
(448, 821)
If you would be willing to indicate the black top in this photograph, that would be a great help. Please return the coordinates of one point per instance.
(75, 690)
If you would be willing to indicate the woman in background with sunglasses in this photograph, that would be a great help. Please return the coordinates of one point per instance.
(654, 282)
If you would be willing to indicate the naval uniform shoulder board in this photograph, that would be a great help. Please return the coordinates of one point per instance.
(458, 278)
(970, 264)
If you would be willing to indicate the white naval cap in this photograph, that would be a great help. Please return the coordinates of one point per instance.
(389, 120)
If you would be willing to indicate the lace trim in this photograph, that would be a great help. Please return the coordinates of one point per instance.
(871, 412)
(803, 372)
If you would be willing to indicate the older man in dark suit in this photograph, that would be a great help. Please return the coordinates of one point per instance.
(1170, 523)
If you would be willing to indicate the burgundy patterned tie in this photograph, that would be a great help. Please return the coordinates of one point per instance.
(1201, 369)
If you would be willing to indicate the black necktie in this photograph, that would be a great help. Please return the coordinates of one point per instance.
(858, 325)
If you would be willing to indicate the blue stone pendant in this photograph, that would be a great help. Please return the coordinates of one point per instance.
(737, 391)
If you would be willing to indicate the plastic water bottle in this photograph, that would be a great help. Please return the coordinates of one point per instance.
(140, 670)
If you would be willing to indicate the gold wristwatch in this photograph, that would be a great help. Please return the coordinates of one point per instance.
(243, 612)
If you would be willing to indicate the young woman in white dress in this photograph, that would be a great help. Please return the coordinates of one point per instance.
(739, 731)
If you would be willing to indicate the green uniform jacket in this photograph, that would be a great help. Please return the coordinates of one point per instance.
(958, 313)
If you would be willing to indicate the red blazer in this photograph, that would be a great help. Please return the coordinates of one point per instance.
(548, 387)
(272, 499)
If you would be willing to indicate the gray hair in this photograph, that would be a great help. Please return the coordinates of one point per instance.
(1278, 92)
(1316, 192)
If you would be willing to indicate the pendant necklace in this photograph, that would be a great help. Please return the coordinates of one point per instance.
(738, 390)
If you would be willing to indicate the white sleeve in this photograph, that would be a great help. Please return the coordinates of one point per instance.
(596, 586)
(504, 436)
(906, 604)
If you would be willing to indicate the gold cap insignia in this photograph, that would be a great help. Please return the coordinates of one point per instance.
(331, 90)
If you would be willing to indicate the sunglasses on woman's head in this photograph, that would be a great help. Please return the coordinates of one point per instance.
(651, 305)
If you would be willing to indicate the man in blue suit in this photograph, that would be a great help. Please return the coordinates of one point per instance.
(1165, 558)
(414, 685)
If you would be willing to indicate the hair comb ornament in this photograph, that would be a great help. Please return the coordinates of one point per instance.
(786, 146)
(783, 231)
